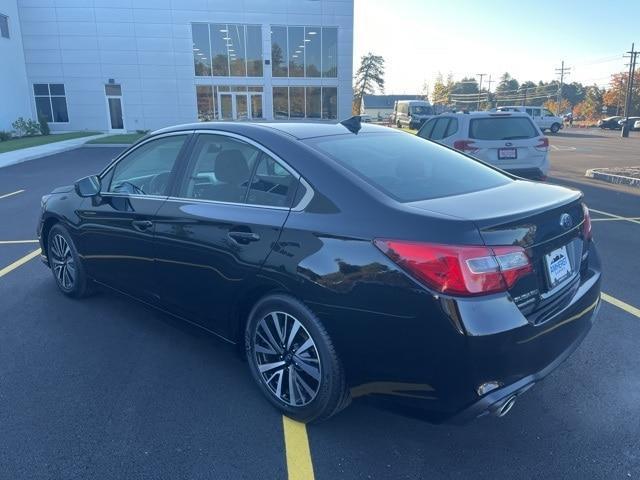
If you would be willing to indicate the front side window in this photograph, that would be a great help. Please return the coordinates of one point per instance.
(505, 128)
(439, 129)
(51, 102)
(421, 110)
(547, 113)
(407, 168)
(147, 169)
(4, 26)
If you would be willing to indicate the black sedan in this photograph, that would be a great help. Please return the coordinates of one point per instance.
(345, 260)
(610, 123)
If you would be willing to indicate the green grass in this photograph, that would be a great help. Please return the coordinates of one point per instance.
(26, 142)
(127, 138)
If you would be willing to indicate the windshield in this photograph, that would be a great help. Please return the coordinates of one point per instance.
(506, 128)
(421, 110)
(408, 168)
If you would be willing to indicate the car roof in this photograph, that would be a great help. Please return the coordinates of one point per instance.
(485, 114)
(298, 130)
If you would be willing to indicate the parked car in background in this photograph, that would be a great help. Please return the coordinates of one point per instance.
(466, 286)
(636, 126)
(610, 123)
(366, 118)
(411, 113)
(508, 140)
(631, 121)
(543, 118)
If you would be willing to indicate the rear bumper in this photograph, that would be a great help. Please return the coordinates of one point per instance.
(528, 173)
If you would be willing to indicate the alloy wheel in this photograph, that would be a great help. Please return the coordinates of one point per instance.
(62, 262)
(287, 359)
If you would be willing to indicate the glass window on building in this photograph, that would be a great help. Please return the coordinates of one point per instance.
(296, 51)
(312, 52)
(313, 102)
(305, 102)
(233, 50)
(329, 103)
(201, 50)
(281, 102)
(236, 49)
(220, 57)
(279, 54)
(4, 26)
(206, 103)
(329, 52)
(296, 102)
(254, 51)
(51, 102)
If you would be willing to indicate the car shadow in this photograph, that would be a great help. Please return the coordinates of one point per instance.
(564, 134)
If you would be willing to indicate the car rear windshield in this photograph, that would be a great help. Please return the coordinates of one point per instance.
(406, 167)
(505, 128)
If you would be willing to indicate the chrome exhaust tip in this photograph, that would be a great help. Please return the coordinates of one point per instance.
(506, 406)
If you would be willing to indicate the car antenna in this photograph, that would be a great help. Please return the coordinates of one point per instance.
(353, 124)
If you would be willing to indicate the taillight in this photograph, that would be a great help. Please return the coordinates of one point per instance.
(458, 269)
(465, 146)
(586, 225)
(543, 144)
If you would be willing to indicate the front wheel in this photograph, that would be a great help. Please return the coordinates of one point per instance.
(555, 128)
(66, 264)
(293, 360)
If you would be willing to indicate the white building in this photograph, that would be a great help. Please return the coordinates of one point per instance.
(124, 65)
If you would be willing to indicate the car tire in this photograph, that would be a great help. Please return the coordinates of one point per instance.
(307, 385)
(555, 128)
(66, 265)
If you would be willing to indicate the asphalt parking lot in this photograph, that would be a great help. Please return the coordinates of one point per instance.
(107, 388)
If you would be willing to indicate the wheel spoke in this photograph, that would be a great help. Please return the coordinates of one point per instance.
(310, 391)
(270, 366)
(309, 343)
(266, 350)
(294, 331)
(269, 340)
(310, 370)
(292, 386)
(276, 322)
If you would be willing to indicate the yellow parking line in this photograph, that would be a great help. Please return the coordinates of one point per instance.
(614, 219)
(10, 194)
(296, 442)
(16, 242)
(19, 262)
(620, 304)
(617, 217)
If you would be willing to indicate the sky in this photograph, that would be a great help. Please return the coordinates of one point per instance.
(419, 38)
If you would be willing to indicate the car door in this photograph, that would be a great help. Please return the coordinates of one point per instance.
(116, 227)
(216, 230)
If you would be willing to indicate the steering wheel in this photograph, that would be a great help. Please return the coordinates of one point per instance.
(158, 184)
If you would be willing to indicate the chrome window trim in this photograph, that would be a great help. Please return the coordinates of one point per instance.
(217, 202)
(125, 154)
(301, 205)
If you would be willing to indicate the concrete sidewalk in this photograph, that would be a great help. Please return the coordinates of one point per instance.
(24, 154)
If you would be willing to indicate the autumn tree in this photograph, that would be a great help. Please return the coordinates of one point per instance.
(615, 95)
(441, 94)
(370, 75)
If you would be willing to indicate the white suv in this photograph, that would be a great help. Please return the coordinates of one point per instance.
(507, 140)
(543, 118)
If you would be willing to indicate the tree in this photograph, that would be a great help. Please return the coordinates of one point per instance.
(507, 84)
(552, 106)
(591, 107)
(369, 76)
(615, 95)
(441, 94)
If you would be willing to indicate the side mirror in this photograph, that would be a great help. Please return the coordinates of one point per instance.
(88, 186)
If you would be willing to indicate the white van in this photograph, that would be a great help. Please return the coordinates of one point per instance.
(543, 118)
(411, 113)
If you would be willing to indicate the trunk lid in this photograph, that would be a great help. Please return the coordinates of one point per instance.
(541, 218)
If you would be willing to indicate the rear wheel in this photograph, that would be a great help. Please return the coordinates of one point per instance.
(555, 128)
(293, 360)
(66, 264)
(398, 124)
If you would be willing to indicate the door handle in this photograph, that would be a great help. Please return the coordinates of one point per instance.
(243, 238)
(142, 225)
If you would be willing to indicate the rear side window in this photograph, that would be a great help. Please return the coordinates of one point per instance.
(439, 128)
(407, 168)
(506, 128)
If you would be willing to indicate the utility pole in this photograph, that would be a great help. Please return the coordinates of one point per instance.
(629, 99)
(479, 88)
(489, 82)
(524, 96)
(562, 71)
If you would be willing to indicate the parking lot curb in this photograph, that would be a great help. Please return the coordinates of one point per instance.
(605, 176)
